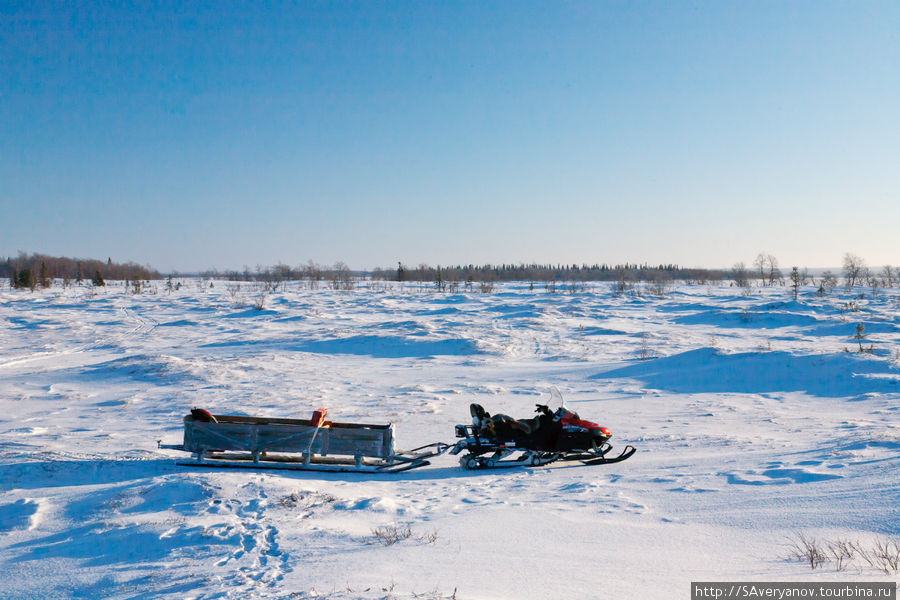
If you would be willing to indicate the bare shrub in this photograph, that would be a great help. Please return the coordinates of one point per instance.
(855, 270)
(574, 287)
(644, 351)
(621, 284)
(888, 276)
(864, 554)
(260, 302)
(740, 276)
(886, 553)
(434, 595)
(842, 552)
(807, 549)
(850, 306)
(428, 538)
(659, 285)
(388, 535)
(827, 283)
(767, 269)
(313, 273)
(883, 554)
(341, 277)
(234, 292)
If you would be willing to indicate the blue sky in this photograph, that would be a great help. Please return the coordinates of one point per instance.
(223, 134)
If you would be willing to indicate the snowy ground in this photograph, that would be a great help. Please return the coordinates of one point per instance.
(752, 423)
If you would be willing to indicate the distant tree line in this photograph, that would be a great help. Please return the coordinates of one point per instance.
(548, 273)
(40, 270)
(764, 271)
(339, 275)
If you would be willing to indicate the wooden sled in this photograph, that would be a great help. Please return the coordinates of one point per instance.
(234, 441)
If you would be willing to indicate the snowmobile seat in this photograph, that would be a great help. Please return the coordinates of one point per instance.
(501, 424)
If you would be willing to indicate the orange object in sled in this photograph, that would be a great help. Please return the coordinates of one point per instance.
(318, 417)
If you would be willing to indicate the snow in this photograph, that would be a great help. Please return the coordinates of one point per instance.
(755, 417)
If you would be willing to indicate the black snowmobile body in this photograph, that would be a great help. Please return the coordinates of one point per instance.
(491, 441)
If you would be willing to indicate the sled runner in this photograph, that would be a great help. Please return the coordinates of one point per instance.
(234, 441)
(499, 441)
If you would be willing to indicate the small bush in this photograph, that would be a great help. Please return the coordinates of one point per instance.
(644, 352)
(388, 535)
(842, 552)
(808, 550)
(883, 554)
(887, 555)
(260, 302)
(428, 538)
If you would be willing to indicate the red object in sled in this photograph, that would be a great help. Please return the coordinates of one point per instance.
(202, 415)
(318, 417)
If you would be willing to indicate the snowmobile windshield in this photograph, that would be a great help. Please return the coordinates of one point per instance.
(556, 398)
(565, 413)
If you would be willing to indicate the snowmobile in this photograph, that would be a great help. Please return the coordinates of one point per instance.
(491, 442)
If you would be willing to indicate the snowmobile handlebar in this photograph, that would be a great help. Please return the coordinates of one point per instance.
(543, 409)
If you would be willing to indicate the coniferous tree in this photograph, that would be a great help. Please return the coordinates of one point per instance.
(45, 275)
(26, 279)
(860, 335)
(795, 281)
(97, 280)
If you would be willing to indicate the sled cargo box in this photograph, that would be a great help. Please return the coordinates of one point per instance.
(303, 444)
(264, 434)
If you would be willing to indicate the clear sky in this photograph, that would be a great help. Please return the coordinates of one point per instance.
(217, 134)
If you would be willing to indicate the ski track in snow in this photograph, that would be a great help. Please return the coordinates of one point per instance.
(753, 416)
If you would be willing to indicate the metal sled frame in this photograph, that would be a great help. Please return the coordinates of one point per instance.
(235, 441)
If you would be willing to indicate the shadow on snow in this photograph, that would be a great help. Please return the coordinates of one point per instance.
(708, 371)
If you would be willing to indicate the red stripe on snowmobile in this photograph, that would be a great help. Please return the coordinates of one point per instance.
(584, 424)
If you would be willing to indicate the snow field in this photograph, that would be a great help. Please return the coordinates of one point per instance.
(751, 420)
